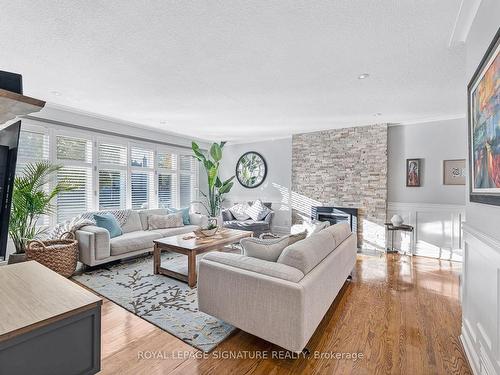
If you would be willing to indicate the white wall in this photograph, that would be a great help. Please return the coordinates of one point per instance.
(276, 187)
(433, 142)
(481, 273)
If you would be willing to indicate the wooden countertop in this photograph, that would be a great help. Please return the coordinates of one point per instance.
(31, 296)
(13, 105)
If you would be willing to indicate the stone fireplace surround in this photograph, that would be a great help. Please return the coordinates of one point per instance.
(344, 168)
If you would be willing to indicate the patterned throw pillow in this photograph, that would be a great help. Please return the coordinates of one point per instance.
(239, 211)
(257, 211)
(165, 221)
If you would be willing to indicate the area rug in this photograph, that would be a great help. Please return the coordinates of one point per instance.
(165, 302)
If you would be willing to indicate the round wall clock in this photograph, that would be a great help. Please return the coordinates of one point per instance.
(251, 169)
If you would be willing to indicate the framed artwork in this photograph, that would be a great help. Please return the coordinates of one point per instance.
(454, 172)
(484, 128)
(251, 169)
(413, 172)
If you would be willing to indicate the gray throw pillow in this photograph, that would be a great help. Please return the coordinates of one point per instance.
(269, 249)
(165, 221)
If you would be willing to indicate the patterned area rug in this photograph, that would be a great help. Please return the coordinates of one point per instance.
(167, 303)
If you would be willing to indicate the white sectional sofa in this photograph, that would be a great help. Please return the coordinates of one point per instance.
(97, 248)
(284, 301)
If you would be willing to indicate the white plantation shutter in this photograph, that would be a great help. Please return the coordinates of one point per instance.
(141, 186)
(33, 147)
(186, 189)
(187, 163)
(79, 200)
(112, 154)
(167, 189)
(112, 180)
(75, 154)
(76, 149)
(167, 160)
(141, 157)
(112, 189)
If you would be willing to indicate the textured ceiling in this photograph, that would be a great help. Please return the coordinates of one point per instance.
(239, 69)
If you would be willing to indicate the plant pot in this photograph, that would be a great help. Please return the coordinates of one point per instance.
(16, 258)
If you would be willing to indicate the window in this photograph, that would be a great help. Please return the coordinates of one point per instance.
(141, 186)
(76, 149)
(112, 167)
(112, 189)
(75, 202)
(108, 173)
(75, 154)
(187, 180)
(140, 157)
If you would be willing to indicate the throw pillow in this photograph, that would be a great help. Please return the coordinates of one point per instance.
(165, 221)
(257, 211)
(185, 214)
(292, 238)
(269, 250)
(108, 222)
(239, 211)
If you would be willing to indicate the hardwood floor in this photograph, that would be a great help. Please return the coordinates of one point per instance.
(402, 314)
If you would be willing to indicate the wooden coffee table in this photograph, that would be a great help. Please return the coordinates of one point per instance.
(190, 245)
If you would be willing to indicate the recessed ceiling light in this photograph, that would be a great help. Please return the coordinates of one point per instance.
(377, 114)
(363, 76)
(56, 93)
(163, 122)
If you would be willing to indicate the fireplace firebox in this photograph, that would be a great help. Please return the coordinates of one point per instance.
(336, 215)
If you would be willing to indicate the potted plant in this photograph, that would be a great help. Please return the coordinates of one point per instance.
(31, 198)
(216, 187)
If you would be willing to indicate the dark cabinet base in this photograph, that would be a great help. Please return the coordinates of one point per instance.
(66, 347)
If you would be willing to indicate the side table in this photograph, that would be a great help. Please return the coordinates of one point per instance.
(392, 228)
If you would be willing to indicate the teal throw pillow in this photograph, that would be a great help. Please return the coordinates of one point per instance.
(109, 222)
(185, 214)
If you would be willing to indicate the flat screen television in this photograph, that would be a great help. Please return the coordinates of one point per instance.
(9, 141)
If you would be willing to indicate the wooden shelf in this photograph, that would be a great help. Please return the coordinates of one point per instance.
(13, 105)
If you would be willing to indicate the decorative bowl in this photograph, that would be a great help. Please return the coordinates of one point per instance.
(209, 232)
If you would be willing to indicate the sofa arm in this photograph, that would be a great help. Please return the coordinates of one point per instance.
(198, 219)
(93, 243)
(268, 307)
(269, 218)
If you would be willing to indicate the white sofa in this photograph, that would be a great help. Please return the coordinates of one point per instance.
(97, 248)
(284, 301)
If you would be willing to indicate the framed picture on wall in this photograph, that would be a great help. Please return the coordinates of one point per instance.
(484, 127)
(413, 172)
(454, 172)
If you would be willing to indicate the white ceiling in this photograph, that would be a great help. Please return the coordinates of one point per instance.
(239, 69)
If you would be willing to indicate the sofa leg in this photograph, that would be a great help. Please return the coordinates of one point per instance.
(349, 278)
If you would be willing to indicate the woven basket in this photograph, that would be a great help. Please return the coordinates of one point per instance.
(59, 255)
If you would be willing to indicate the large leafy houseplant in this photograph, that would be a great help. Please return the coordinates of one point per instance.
(31, 199)
(216, 187)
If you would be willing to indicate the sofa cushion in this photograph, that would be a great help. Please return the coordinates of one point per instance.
(133, 222)
(257, 211)
(227, 215)
(143, 215)
(165, 221)
(185, 214)
(108, 222)
(256, 226)
(308, 253)
(133, 241)
(239, 211)
(269, 249)
(339, 231)
(167, 232)
(280, 271)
